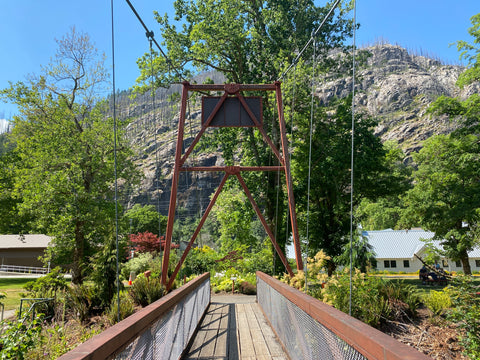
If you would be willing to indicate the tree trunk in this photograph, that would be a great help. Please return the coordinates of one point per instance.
(78, 253)
(465, 263)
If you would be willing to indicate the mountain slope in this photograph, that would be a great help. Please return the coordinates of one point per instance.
(393, 86)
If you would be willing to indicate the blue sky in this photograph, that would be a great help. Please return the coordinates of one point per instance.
(28, 29)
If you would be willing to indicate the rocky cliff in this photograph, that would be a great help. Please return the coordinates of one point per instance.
(394, 86)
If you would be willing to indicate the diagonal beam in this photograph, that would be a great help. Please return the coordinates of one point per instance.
(288, 176)
(265, 225)
(197, 231)
(260, 128)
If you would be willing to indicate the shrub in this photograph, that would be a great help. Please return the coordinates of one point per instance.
(47, 286)
(145, 242)
(403, 299)
(247, 288)
(373, 299)
(199, 261)
(18, 337)
(222, 281)
(83, 301)
(316, 274)
(437, 302)
(52, 285)
(466, 312)
(257, 261)
(127, 308)
(368, 305)
(55, 340)
(145, 291)
(137, 265)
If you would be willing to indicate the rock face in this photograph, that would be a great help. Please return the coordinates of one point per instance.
(396, 88)
(393, 86)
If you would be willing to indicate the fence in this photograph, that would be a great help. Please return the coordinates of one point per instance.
(23, 269)
(161, 330)
(310, 329)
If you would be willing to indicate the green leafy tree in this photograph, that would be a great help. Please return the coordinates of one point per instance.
(385, 212)
(12, 222)
(248, 41)
(466, 111)
(446, 195)
(235, 217)
(141, 219)
(330, 175)
(471, 53)
(448, 171)
(64, 143)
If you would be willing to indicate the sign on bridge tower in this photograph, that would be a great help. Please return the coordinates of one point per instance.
(231, 109)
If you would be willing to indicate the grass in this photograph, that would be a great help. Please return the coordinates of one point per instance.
(12, 287)
(425, 289)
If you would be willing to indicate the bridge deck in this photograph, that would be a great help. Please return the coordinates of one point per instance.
(234, 328)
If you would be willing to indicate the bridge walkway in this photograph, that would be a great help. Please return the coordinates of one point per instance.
(235, 328)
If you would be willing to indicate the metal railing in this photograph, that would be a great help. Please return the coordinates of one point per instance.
(161, 330)
(37, 305)
(310, 329)
(23, 269)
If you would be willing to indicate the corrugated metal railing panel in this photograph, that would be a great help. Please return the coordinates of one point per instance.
(310, 329)
(169, 336)
(162, 330)
(301, 335)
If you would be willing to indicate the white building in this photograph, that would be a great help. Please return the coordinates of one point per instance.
(395, 251)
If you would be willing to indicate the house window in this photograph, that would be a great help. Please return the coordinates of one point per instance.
(445, 263)
(457, 264)
(406, 263)
(389, 264)
(477, 263)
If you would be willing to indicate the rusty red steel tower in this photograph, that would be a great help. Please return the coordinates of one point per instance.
(231, 109)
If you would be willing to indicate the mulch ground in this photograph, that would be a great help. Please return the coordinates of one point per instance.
(434, 337)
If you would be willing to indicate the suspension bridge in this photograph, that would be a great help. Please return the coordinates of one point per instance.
(279, 322)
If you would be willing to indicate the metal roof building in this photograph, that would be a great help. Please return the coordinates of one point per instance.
(396, 249)
(23, 250)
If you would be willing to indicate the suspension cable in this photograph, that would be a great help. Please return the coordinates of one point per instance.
(352, 153)
(115, 162)
(151, 35)
(155, 127)
(292, 111)
(310, 159)
(312, 39)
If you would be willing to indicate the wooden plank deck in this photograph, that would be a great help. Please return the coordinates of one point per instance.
(234, 328)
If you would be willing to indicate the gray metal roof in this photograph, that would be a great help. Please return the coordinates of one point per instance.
(402, 244)
(24, 241)
(392, 244)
